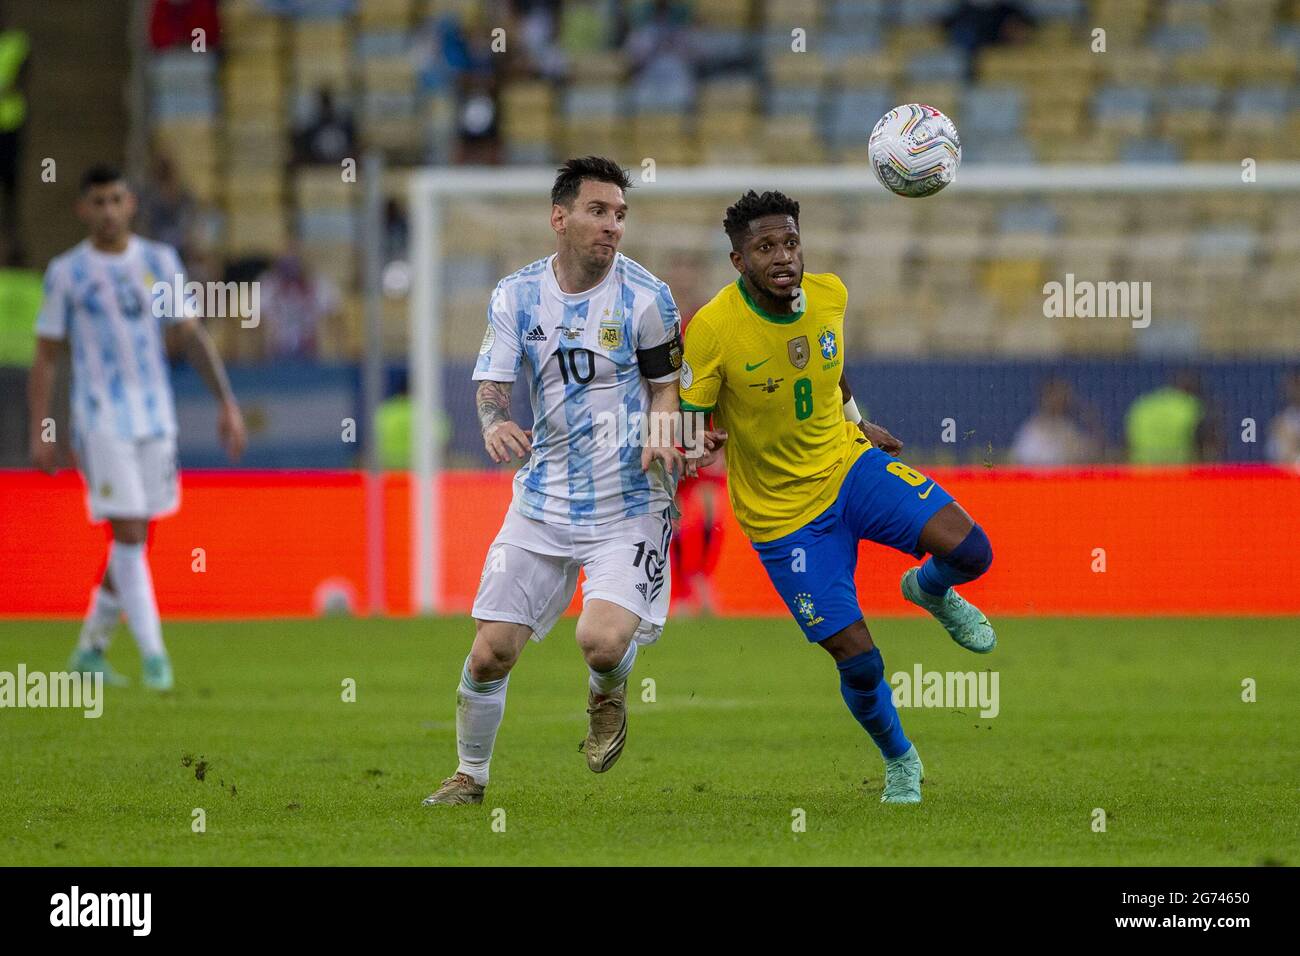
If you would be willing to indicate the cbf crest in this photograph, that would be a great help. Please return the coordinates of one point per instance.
(830, 348)
(798, 349)
(803, 603)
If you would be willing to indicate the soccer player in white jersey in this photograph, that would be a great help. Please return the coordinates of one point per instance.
(602, 341)
(100, 304)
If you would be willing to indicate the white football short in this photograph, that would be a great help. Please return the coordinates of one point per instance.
(531, 571)
(129, 479)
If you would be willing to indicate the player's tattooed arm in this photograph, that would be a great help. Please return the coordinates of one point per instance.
(493, 401)
(201, 353)
(503, 439)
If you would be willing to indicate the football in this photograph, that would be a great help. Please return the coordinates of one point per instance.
(914, 150)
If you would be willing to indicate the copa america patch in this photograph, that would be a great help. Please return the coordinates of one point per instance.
(688, 376)
(489, 339)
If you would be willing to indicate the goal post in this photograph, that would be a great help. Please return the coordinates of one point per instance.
(434, 239)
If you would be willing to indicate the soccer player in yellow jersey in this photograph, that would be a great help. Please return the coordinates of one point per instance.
(808, 478)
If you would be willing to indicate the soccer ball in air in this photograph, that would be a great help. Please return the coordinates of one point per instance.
(914, 150)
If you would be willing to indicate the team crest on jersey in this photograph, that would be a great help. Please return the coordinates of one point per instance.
(804, 603)
(798, 349)
(611, 335)
(830, 348)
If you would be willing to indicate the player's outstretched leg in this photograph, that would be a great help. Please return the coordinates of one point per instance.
(480, 707)
(129, 566)
(959, 552)
(96, 631)
(871, 701)
(605, 634)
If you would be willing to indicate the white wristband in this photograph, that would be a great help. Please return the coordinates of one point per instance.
(851, 412)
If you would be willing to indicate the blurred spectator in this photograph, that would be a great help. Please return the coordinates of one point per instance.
(328, 137)
(660, 53)
(173, 22)
(538, 29)
(296, 306)
(14, 47)
(168, 211)
(974, 24)
(396, 231)
(1284, 430)
(588, 27)
(1171, 425)
(1060, 432)
(20, 301)
(393, 432)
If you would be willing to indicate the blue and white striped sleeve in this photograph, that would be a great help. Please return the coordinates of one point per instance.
(52, 320)
(659, 337)
(501, 353)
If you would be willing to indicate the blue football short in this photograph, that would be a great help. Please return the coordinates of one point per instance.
(881, 500)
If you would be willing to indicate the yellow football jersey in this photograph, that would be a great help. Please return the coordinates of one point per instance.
(773, 382)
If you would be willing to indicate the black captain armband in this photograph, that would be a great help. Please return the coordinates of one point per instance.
(662, 359)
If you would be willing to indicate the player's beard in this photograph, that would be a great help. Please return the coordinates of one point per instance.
(760, 283)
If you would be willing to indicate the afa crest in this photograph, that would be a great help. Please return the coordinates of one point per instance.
(803, 602)
(830, 348)
(611, 335)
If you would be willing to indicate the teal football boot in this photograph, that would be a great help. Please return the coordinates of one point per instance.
(93, 661)
(158, 673)
(964, 622)
(903, 776)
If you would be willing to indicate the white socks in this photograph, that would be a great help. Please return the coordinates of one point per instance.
(480, 706)
(134, 586)
(606, 682)
(101, 619)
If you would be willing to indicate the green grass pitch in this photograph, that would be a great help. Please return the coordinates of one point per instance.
(1142, 718)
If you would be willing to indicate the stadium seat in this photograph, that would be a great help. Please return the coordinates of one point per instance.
(849, 112)
(994, 111)
(1147, 150)
(1125, 109)
(931, 66)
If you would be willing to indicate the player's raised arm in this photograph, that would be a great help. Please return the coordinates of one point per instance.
(201, 352)
(878, 435)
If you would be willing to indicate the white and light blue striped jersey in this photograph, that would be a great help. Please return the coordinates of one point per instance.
(102, 304)
(586, 387)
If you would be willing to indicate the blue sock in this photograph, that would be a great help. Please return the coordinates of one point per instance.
(871, 701)
(963, 563)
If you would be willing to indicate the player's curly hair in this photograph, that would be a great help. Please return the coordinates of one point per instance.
(568, 182)
(752, 206)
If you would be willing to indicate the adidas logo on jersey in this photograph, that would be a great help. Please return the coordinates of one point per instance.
(641, 587)
(536, 335)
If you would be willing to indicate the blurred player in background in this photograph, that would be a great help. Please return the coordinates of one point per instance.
(602, 337)
(100, 303)
(808, 478)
